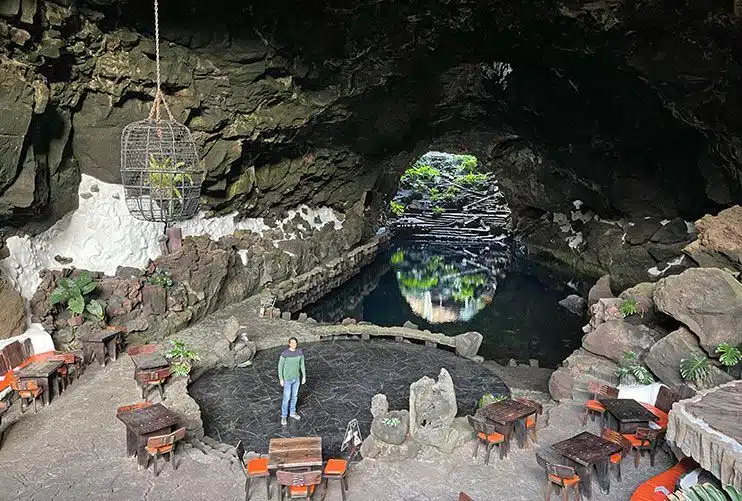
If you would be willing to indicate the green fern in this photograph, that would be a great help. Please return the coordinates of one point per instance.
(628, 307)
(696, 369)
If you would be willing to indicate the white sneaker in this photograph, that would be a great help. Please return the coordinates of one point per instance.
(283, 421)
(295, 416)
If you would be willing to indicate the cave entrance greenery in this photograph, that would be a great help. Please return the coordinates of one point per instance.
(454, 223)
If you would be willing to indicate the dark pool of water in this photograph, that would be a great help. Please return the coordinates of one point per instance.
(455, 290)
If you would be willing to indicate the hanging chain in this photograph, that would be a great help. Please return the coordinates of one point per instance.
(159, 95)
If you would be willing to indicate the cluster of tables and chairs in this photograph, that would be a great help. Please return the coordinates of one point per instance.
(626, 426)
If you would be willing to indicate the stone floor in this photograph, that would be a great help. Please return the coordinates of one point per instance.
(244, 403)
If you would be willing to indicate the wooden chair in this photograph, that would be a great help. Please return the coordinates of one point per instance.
(163, 444)
(665, 398)
(298, 484)
(63, 372)
(644, 439)
(592, 406)
(148, 379)
(563, 477)
(464, 497)
(531, 421)
(255, 468)
(27, 390)
(625, 443)
(132, 407)
(488, 435)
(142, 349)
(337, 469)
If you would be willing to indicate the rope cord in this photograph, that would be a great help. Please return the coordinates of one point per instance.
(159, 95)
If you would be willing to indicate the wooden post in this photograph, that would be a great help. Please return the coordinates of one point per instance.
(175, 239)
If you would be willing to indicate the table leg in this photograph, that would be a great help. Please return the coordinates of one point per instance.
(52, 383)
(87, 352)
(508, 437)
(131, 443)
(520, 432)
(45, 396)
(586, 480)
(604, 479)
(111, 348)
(100, 353)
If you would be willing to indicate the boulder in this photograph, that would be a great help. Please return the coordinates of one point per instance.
(372, 448)
(231, 329)
(12, 311)
(641, 231)
(468, 343)
(708, 301)
(16, 108)
(561, 384)
(665, 355)
(574, 304)
(602, 311)
(643, 293)
(675, 231)
(612, 339)
(432, 410)
(392, 427)
(601, 289)
(719, 242)
(379, 405)
(410, 325)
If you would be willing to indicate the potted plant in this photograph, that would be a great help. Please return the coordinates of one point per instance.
(183, 357)
(165, 179)
(73, 292)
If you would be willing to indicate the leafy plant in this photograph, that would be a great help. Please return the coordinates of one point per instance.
(729, 355)
(73, 292)
(183, 355)
(438, 210)
(161, 277)
(489, 398)
(411, 282)
(631, 368)
(418, 175)
(628, 307)
(469, 163)
(696, 369)
(472, 178)
(166, 180)
(397, 209)
(706, 492)
(391, 422)
(397, 257)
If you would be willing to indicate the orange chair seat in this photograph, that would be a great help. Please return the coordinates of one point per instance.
(336, 467)
(30, 393)
(257, 466)
(616, 458)
(595, 406)
(530, 422)
(300, 490)
(164, 449)
(635, 442)
(662, 417)
(564, 481)
(492, 438)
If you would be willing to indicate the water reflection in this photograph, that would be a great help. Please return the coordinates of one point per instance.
(450, 284)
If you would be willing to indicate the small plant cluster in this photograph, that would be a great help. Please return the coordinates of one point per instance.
(631, 368)
(729, 355)
(397, 257)
(391, 422)
(396, 209)
(161, 277)
(628, 307)
(73, 292)
(696, 369)
(417, 175)
(707, 492)
(488, 399)
(183, 356)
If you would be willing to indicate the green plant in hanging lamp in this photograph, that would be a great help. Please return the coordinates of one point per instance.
(183, 356)
(696, 369)
(73, 292)
(166, 178)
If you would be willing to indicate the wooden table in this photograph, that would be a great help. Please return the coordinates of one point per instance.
(44, 373)
(99, 344)
(508, 415)
(150, 361)
(588, 450)
(144, 423)
(297, 452)
(625, 415)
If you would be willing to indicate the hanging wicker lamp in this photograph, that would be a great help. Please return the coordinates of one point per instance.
(160, 168)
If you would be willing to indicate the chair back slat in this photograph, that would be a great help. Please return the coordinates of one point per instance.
(27, 385)
(160, 441)
(646, 434)
(598, 389)
(132, 407)
(563, 472)
(153, 376)
(617, 438)
(464, 497)
(298, 479)
(178, 434)
(142, 349)
(27, 348)
(665, 398)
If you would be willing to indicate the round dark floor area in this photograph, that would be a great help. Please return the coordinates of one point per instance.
(342, 376)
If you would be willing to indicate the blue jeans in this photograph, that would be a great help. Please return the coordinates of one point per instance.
(290, 392)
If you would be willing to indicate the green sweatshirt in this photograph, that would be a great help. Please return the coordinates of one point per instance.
(291, 365)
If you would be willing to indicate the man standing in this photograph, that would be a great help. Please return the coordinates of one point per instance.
(290, 367)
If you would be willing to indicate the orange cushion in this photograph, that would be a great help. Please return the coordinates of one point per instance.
(564, 481)
(530, 422)
(616, 458)
(594, 405)
(300, 490)
(667, 479)
(336, 467)
(635, 442)
(662, 420)
(257, 466)
(493, 438)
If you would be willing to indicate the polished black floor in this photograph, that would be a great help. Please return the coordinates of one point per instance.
(245, 404)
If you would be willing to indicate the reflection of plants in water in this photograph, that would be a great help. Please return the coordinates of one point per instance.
(417, 284)
(467, 285)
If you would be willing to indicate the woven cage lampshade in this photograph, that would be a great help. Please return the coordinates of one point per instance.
(160, 171)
